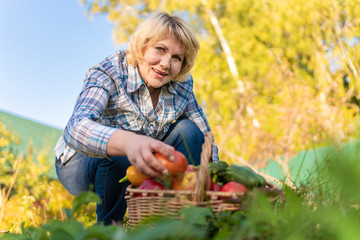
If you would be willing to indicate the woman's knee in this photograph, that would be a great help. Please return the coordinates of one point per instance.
(73, 176)
(187, 138)
(189, 129)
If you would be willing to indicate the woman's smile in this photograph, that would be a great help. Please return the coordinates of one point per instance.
(158, 72)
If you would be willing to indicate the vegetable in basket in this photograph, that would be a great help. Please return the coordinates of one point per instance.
(177, 166)
(149, 184)
(234, 187)
(186, 180)
(244, 175)
(217, 172)
(222, 173)
(134, 176)
(214, 186)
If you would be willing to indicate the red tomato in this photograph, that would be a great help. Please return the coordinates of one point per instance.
(191, 168)
(234, 187)
(214, 187)
(178, 166)
(150, 184)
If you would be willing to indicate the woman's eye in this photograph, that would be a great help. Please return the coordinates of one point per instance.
(160, 49)
(177, 58)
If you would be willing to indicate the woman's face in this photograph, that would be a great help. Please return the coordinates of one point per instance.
(162, 62)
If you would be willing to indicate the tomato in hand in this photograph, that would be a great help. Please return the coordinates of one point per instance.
(175, 167)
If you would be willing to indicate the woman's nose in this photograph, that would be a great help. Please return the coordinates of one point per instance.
(165, 62)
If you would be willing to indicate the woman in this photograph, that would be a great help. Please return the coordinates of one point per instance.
(133, 104)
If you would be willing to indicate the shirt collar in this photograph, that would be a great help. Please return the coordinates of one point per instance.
(171, 88)
(135, 81)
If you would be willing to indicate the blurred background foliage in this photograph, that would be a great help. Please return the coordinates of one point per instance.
(274, 77)
(27, 193)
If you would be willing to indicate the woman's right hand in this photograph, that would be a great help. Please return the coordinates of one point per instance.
(140, 150)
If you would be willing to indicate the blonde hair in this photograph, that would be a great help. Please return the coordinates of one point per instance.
(154, 29)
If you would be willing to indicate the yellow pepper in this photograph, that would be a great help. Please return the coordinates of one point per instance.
(135, 177)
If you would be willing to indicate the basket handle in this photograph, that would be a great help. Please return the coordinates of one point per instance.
(203, 183)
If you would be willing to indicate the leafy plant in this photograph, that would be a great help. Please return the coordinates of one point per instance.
(27, 193)
(70, 227)
(326, 205)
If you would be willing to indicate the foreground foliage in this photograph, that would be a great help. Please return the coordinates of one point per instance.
(325, 206)
(27, 193)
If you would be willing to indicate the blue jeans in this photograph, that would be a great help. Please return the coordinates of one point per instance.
(83, 173)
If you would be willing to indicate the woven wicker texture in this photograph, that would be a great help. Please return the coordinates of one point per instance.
(144, 203)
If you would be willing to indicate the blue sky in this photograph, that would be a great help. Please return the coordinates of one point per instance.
(46, 47)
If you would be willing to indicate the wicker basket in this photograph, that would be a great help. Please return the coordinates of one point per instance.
(169, 202)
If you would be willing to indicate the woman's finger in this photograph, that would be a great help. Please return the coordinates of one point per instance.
(165, 149)
(155, 164)
(145, 168)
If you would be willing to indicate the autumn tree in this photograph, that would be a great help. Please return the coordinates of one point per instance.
(274, 77)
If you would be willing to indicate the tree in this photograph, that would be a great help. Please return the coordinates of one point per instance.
(270, 74)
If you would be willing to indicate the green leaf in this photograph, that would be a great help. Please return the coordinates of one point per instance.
(100, 231)
(83, 199)
(196, 215)
(60, 230)
(164, 228)
(68, 212)
(14, 236)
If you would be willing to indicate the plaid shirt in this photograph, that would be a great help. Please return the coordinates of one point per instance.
(115, 97)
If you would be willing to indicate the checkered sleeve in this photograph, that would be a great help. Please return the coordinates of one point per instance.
(83, 133)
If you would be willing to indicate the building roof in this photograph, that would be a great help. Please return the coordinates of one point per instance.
(31, 133)
(41, 135)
